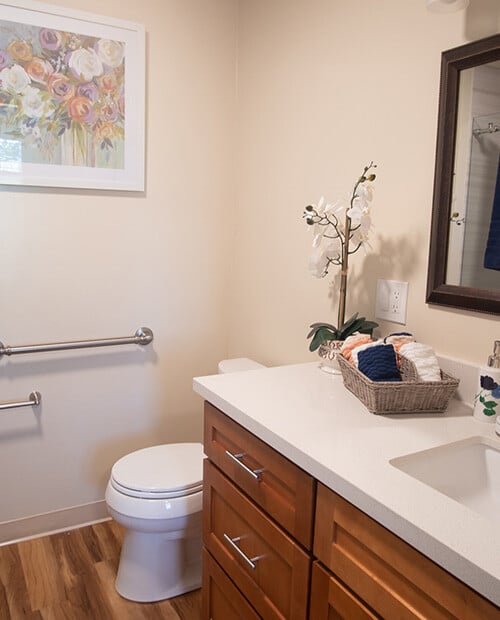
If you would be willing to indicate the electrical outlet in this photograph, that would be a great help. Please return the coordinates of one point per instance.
(390, 304)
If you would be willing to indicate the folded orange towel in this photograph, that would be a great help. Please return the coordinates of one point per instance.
(399, 339)
(352, 342)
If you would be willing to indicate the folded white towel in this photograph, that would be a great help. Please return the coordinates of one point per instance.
(425, 360)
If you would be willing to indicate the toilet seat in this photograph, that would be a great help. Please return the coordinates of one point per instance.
(160, 472)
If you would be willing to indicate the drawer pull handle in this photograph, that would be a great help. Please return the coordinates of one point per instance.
(232, 542)
(255, 473)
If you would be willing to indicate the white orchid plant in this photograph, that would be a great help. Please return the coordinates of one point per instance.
(339, 230)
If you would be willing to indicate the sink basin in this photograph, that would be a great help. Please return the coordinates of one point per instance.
(468, 471)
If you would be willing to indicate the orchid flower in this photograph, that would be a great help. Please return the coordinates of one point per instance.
(335, 227)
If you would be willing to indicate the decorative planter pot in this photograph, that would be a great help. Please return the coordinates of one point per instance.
(328, 352)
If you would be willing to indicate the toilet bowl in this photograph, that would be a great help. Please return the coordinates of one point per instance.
(156, 494)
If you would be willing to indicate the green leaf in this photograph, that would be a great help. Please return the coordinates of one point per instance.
(320, 332)
(347, 331)
(359, 325)
(320, 336)
(329, 325)
(490, 404)
(315, 342)
(369, 326)
(328, 333)
(316, 326)
(349, 322)
(488, 412)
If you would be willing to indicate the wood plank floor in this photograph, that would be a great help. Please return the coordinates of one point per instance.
(70, 576)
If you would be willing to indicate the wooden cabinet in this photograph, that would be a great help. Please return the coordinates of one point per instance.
(330, 599)
(257, 524)
(261, 559)
(222, 599)
(391, 577)
(264, 563)
(283, 490)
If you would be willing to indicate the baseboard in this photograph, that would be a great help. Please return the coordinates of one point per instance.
(52, 522)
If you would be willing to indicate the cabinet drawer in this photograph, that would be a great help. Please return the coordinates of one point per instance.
(270, 569)
(331, 599)
(221, 600)
(279, 487)
(392, 577)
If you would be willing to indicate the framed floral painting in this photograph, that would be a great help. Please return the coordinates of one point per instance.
(72, 98)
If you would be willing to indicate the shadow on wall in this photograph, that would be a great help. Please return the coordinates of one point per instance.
(396, 259)
(106, 453)
(65, 362)
(32, 420)
(482, 19)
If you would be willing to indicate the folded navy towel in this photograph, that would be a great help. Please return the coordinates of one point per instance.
(378, 363)
(492, 253)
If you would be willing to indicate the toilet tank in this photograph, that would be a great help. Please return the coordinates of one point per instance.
(238, 364)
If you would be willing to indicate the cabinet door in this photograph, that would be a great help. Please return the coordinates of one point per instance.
(278, 486)
(265, 564)
(392, 577)
(221, 600)
(330, 600)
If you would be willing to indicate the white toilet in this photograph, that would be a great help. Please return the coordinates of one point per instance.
(156, 494)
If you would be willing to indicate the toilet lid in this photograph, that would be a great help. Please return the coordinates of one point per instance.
(166, 471)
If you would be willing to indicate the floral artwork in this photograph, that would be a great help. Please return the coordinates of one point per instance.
(62, 97)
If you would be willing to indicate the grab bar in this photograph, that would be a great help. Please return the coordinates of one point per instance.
(142, 336)
(35, 398)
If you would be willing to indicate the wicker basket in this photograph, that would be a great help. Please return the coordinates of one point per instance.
(407, 396)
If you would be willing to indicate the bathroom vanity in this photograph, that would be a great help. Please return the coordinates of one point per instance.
(305, 516)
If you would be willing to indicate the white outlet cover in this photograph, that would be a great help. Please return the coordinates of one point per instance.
(390, 302)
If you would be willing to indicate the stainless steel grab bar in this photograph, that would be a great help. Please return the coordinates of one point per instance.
(35, 398)
(142, 336)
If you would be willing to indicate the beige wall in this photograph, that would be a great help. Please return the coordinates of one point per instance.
(84, 264)
(213, 256)
(325, 87)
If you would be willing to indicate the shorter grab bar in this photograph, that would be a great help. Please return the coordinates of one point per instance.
(142, 336)
(34, 399)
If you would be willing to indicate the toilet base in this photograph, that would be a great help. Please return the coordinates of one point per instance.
(155, 566)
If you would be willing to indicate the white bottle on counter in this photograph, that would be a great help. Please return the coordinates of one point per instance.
(487, 398)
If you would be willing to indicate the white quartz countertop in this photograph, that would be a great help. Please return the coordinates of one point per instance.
(311, 418)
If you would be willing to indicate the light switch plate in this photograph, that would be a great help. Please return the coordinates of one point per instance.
(390, 303)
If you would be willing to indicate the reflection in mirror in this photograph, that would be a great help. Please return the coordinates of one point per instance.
(477, 152)
(464, 257)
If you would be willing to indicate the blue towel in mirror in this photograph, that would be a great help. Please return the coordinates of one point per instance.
(492, 253)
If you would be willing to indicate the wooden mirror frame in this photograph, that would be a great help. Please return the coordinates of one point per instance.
(438, 292)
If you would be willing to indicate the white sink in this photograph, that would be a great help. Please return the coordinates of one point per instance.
(467, 471)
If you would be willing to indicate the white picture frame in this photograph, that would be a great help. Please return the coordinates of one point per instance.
(72, 98)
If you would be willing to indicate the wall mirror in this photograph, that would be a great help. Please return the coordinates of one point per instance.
(464, 255)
